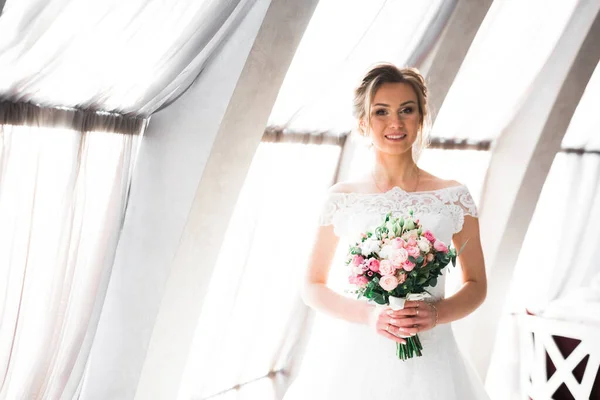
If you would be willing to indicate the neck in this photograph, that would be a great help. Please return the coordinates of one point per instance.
(397, 170)
(394, 169)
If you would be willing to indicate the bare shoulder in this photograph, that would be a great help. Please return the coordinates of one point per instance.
(351, 187)
(432, 182)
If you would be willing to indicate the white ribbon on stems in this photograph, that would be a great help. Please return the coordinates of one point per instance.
(397, 303)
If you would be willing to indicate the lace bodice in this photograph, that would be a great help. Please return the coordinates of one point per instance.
(440, 211)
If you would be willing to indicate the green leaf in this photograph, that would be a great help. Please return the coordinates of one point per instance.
(379, 299)
(420, 259)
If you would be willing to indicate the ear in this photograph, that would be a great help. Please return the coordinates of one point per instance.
(362, 124)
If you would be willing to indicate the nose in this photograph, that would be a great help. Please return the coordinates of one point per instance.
(396, 120)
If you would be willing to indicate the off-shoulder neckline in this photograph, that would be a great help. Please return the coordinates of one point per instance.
(399, 189)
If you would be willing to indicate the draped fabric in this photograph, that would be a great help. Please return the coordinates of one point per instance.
(253, 320)
(502, 63)
(567, 216)
(78, 82)
(582, 133)
(71, 119)
(62, 200)
(316, 96)
(557, 272)
(131, 57)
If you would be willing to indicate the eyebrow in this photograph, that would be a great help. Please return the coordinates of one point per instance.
(403, 104)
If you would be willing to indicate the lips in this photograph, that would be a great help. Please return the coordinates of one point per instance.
(395, 137)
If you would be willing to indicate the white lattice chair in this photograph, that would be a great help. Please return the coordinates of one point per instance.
(537, 342)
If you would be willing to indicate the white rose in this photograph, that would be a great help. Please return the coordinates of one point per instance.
(407, 235)
(369, 246)
(386, 251)
(424, 245)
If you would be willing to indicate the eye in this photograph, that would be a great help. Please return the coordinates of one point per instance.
(381, 111)
(407, 110)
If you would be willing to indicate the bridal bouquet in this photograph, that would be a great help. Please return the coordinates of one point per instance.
(396, 262)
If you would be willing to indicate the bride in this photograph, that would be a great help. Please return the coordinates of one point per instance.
(351, 352)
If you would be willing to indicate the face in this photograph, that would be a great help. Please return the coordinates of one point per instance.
(394, 118)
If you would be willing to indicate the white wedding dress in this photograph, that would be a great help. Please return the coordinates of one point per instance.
(349, 361)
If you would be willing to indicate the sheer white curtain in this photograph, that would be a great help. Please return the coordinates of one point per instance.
(62, 199)
(253, 317)
(131, 57)
(560, 252)
(558, 264)
(65, 173)
(559, 257)
(346, 41)
(507, 54)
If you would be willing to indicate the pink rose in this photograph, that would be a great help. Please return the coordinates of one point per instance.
(386, 268)
(401, 278)
(399, 256)
(411, 242)
(359, 270)
(361, 281)
(357, 260)
(399, 243)
(388, 282)
(429, 236)
(429, 257)
(413, 251)
(373, 264)
(440, 246)
(408, 266)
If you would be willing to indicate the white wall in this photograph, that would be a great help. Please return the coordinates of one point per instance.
(171, 161)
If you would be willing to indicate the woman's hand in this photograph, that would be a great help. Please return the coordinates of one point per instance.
(380, 320)
(417, 316)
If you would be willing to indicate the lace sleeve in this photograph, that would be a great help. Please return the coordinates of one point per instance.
(331, 205)
(466, 203)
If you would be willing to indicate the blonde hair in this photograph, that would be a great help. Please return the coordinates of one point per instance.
(389, 73)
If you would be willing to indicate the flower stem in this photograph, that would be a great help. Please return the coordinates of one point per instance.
(412, 348)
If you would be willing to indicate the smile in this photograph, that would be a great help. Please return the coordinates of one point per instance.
(395, 137)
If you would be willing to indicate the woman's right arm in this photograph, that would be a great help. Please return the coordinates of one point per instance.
(315, 292)
(317, 295)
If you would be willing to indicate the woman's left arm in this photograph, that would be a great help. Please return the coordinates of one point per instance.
(419, 316)
(474, 282)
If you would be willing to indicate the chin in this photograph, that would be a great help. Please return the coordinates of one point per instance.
(395, 152)
(395, 149)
